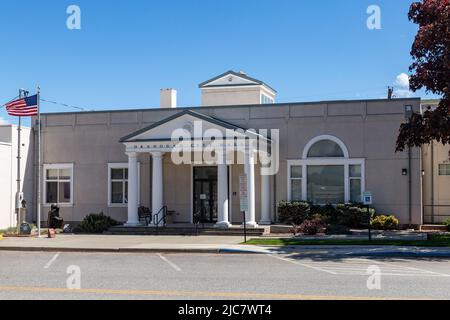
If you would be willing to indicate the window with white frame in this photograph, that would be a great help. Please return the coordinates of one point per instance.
(355, 184)
(266, 100)
(58, 184)
(296, 174)
(326, 174)
(118, 184)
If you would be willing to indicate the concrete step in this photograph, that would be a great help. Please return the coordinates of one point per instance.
(433, 227)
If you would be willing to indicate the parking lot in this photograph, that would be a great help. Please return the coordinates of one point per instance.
(33, 275)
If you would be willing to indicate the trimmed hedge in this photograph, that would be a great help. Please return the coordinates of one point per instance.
(96, 223)
(294, 213)
(349, 214)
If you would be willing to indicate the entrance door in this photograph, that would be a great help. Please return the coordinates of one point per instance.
(205, 194)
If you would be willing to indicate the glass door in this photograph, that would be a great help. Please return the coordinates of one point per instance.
(205, 194)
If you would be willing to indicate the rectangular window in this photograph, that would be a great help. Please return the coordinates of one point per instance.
(444, 169)
(355, 183)
(118, 184)
(326, 184)
(266, 100)
(296, 183)
(58, 184)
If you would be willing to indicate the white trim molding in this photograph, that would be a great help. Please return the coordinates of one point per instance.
(122, 165)
(49, 166)
(304, 163)
(313, 141)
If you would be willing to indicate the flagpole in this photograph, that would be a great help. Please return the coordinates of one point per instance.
(39, 163)
(19, 129)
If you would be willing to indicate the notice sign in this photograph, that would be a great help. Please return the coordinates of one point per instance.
(367, 198)
(243, 194)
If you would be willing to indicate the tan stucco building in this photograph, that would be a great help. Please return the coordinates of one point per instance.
(324, 152)
(436, 177)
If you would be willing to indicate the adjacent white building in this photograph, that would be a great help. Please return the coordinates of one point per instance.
(8, 173)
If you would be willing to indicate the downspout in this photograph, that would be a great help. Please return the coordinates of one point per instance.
(432, 181)
(275, 208)
(36, 182)
(409, 186)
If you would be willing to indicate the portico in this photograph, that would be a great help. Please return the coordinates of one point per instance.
(210, 191)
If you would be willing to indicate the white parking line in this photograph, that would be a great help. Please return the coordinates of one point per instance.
(300, 264)
(359, 267)
(409, 268)
(170, 263)
(50, 262)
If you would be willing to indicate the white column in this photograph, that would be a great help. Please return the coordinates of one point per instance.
(133, 189)
(265, 200)
(250, 170)
(157, 184)
(222, 193)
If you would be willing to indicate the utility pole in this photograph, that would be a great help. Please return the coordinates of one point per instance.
(22, 93)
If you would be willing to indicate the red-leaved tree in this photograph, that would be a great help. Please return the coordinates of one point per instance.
(430, 70)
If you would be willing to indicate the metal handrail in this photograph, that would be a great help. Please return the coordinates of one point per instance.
(163, 218)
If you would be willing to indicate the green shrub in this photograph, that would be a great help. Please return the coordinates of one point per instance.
(96, 223)
(329, 213)
(353, 215)
(447, 223)
(383, 222)
(294, 213)
(349, 215)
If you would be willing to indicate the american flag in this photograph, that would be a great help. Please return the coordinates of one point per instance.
(23, 107)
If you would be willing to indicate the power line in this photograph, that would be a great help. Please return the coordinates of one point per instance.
(4, 105)
(53, 102)
(66, 105)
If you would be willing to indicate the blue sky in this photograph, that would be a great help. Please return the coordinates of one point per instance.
(127, 50)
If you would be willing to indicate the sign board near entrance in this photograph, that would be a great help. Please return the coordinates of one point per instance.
(367, 198)
(243, 194)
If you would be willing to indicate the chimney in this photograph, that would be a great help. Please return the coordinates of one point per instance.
(168, 98)
(390, 92)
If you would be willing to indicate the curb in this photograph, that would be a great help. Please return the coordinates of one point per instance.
(223, 251)
(401, 254)
(130, 250)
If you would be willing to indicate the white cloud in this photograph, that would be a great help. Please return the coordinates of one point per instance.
(402, 93)
(402, 80)
(402, 84)
(3, 121)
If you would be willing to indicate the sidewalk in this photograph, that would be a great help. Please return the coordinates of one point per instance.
(205, 244)
(114, 243)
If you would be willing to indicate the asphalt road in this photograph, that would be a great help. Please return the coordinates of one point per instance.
(33, 275)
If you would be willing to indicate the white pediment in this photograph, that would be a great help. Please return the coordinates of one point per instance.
(231, 79)
(164, 130)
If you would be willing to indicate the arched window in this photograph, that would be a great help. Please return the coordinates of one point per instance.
(326, 174)
(325, 149)
(325, 146)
